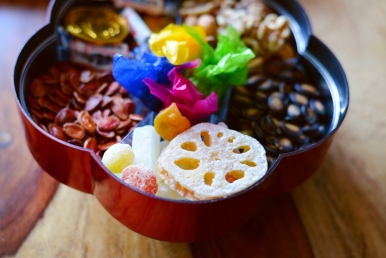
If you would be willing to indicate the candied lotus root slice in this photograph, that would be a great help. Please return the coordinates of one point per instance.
(210, 161)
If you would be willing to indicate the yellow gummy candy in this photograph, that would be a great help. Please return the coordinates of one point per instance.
(176, 44)
(118, 157)
(169, 122)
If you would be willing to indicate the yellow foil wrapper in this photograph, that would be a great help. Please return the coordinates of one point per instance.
(98, 25)
(176, 44)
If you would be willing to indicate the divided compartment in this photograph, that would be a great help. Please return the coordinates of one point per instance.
(157, 217)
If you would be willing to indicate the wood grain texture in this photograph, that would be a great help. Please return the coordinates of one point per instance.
(343, 207)
(339, 212)
(25, 190)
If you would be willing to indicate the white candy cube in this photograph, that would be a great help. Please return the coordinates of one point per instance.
(146, 147)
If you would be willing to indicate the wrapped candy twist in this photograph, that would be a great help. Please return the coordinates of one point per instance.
(175, 43)
(130, 74)
(180, 90)
(224, 66)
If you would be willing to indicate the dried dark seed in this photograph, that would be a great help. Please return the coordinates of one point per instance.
(259, 133)
(255, 79)
(242, 100)
(294, 111)
(276, 103)
(284, 144)
(272, 149)
(266, 126)
(266, 85)
(241, 90)
(318, 106)
(298, 98)
(307, 89)
(290, 129)
(261, 96)
(273, 123)
(301, 139)
(309, 114)
(311, 130)
(284, 87)
(251, 113)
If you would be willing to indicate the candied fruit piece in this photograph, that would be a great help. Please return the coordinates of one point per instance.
(141, 177)
(169, 122)
(117, 157)
(146, 146)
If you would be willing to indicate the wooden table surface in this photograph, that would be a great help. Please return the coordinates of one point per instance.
(339, 212)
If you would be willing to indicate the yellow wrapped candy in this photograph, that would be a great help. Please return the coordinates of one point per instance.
(176, 44)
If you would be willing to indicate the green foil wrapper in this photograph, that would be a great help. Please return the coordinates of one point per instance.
(222, 67)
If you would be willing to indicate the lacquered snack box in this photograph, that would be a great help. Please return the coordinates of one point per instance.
(176, 220)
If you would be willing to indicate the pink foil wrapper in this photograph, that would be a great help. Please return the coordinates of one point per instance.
(191, 103)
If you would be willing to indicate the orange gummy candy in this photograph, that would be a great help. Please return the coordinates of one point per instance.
(169, 122)
(141, 177)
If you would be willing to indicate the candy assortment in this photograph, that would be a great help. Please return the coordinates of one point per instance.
(226, 55)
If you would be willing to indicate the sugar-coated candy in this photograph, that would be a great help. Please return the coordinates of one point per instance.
(169, 122)
(141, 177)
(146, 146)
(117, 157)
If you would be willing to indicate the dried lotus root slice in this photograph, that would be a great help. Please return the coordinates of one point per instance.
(210, 161)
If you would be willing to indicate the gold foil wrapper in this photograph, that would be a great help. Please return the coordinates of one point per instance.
(98, 25)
